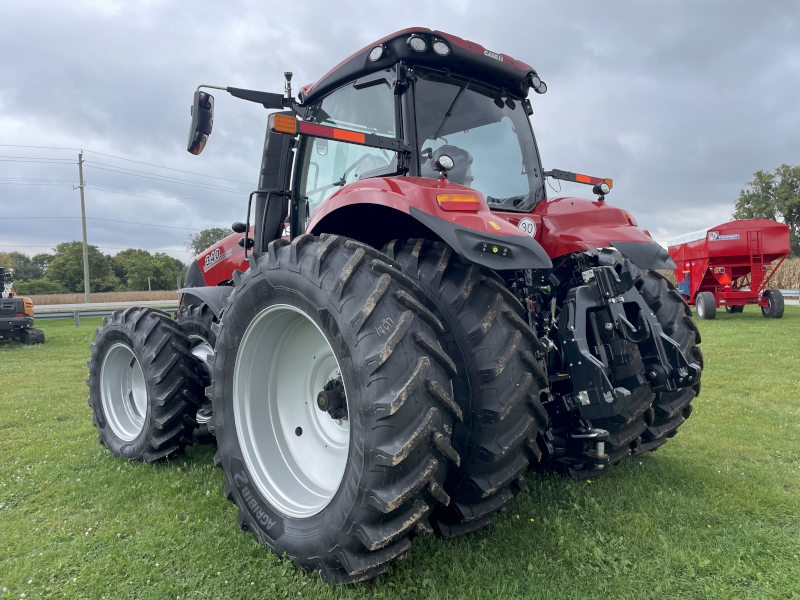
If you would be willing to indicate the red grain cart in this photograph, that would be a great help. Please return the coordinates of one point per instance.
(730, 265)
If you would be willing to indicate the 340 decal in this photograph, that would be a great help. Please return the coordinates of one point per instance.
(214, 257)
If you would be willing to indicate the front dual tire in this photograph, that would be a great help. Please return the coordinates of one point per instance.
(341, 494)
(143, 385)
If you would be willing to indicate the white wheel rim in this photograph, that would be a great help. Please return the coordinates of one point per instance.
(295, 452)
(123, 392)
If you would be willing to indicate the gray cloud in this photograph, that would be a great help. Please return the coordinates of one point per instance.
(679, 102)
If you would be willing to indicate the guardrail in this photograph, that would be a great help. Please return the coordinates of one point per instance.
(77, 314)
(790, 293)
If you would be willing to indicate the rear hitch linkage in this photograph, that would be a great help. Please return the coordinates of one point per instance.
(605, 304)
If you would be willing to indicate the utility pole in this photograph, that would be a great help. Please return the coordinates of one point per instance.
(83, 226)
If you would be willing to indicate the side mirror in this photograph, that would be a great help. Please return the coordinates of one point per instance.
(202, 121)
(239, 227)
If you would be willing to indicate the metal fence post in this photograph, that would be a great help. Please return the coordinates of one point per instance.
(77, 316)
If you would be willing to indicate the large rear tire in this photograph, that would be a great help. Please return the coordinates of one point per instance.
(339, 494)
(143, 385)
(498, 386)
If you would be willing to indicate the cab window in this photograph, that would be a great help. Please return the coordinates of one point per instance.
(328, 165)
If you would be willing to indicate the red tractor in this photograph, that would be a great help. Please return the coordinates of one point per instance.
(406, 322)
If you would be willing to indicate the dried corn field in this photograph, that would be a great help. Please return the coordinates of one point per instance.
(103, 297)
(787, 277)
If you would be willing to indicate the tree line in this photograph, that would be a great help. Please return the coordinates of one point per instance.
(775, 196)
(61, 272)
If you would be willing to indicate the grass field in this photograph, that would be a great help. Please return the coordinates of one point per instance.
(713, 514)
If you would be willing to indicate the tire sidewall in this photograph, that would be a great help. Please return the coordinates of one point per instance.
(108, 337)
(282, 532)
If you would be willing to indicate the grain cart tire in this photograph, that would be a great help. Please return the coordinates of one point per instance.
(706, 306)
(143, 385)
(498, 385)
(775, 308)
(670, 409)
(732, 310)
(32, 336)
(196, 322)
(331, 322)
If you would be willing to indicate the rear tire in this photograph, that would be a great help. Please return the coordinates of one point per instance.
(196, 321)
(776, 305)
(706, 306)
(366, 319)
(670, 409)
(143, 385)
(498, 385)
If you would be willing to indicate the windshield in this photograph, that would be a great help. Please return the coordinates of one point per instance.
(488, 137)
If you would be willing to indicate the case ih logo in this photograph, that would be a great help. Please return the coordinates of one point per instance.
(491, 54)
(714, 236)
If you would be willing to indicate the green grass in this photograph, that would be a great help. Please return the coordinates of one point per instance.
(713, 514)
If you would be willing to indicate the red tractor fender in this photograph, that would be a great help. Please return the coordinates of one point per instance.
(401, 193)
(378, 210)
(566, 225)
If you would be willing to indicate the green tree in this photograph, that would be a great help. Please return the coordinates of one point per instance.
(160, 268)
(26, 269)
(119, 262)
(774, 196)
(66, 268)
(198, 242)
(39, 286)
(8, 262)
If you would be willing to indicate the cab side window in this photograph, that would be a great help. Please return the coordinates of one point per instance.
(328, 165)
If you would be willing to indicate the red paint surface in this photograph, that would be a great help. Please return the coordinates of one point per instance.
(726, 267)
(401, 193)
(455, 40)
(563, 225)
(567, 225)
(221, 271)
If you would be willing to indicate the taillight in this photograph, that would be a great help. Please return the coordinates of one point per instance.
(459, 202)
(630, 219)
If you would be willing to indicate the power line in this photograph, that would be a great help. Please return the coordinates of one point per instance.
(126, 159)
(168, 168)
(114, 189)
(144, 194)
(97, 219)
(44, 161)
(38, 158)
(103, 247)
(121, 171)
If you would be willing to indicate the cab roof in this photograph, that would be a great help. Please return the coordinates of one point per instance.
(465, 58)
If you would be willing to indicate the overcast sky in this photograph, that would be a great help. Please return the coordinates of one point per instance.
(678, 102)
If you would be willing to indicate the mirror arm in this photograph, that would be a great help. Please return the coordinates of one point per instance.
(266, 99)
